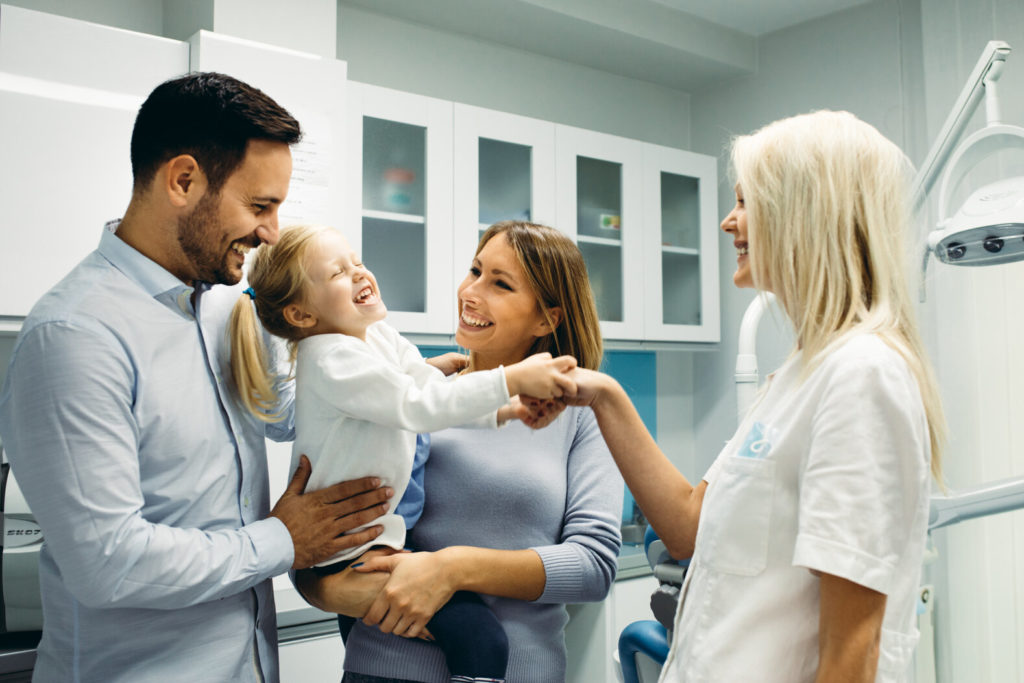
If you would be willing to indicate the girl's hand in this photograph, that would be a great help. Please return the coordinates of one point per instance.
(420, 584)
(512, 411)
(541, 376)
(449, 363)
(537, 413)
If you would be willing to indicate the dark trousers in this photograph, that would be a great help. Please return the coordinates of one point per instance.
(466, 630)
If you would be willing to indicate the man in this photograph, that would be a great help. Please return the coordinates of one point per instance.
(121, 423)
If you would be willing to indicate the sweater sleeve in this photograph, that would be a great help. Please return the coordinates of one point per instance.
(581, 568)
(358, 382)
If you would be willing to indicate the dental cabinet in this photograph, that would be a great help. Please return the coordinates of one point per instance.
(398, 202)
(431, 175)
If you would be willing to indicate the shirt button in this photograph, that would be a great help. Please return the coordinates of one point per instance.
(246, 501)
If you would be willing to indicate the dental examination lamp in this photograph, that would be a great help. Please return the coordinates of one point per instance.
(988, 228)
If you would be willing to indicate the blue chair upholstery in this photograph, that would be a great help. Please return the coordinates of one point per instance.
(648, 637)
(652, 637)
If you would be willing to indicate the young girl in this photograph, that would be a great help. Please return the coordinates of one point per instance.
(362, 393)
(808, 531)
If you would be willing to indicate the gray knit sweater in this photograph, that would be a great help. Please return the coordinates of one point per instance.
(554, 490)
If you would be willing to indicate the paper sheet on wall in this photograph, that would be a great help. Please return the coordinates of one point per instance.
(309, 195)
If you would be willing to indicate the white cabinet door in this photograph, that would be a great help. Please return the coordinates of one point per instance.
(504, 170)
(69, 91)
(399, 203)
(680, 245)
(599, 179)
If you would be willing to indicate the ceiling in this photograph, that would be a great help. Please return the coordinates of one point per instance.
(757, 17)
(687, 45)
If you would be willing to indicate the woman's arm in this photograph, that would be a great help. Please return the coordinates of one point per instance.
(849, 632)
(671, 504)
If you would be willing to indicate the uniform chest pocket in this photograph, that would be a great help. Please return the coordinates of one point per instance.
(736, 517)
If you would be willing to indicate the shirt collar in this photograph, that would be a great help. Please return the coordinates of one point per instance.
(153, 278)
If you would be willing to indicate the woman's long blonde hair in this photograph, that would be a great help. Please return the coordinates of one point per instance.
(557, 275)
(277, 278)
(827, 215)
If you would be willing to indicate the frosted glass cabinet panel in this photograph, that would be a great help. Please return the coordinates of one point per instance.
(399, 203)
(504, 181)
(681, 246)
(504, 170)
(600, 195)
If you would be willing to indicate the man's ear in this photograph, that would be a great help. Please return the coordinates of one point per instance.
(296, 316)
(544, 327)
(183, 181)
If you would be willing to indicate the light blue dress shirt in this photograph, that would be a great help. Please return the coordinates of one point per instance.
(148, 478)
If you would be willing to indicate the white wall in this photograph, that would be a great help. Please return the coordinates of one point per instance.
(414, 58)
(975, 330)
(144, 16)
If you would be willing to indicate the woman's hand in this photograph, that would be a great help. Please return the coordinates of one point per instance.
(590, 386)
(449, 363)
(420, 584)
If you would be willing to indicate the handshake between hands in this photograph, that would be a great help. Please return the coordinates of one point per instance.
(541, 386)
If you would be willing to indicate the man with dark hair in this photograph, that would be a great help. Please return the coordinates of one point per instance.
(124, 429)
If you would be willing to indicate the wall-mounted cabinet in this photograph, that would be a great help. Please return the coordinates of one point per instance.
(428, 177)
(600, 204)
(680, 235)
(398, 202)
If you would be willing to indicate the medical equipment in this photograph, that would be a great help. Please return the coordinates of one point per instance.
(20, 605)
(989, 227)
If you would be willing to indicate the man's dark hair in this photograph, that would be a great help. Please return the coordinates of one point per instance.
(210, 116)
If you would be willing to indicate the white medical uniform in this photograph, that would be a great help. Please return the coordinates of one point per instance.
(828, 473)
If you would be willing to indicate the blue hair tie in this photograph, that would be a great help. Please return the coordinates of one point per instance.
(250, 292)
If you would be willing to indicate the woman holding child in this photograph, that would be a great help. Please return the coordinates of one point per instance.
(529, 519)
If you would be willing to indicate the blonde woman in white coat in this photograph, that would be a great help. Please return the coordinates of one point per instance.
(808, 530)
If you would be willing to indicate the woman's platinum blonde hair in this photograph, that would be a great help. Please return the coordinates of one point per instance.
(827, 213)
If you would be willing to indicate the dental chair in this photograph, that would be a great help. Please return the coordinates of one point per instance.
(650, 638)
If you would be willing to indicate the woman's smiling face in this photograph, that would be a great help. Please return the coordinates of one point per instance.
(499, 316)
(736, 225)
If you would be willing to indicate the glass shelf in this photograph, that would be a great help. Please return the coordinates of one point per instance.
(669, 249)
(396, 217)
(607, 241)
